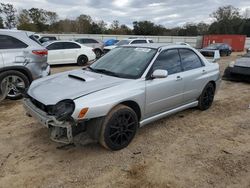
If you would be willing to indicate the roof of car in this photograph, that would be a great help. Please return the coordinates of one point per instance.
(139, 38)
(158, 45)
(56, 41)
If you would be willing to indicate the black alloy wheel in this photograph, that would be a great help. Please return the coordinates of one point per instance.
(119, 128)
(207, 97)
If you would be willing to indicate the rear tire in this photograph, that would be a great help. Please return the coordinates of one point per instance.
(15, 79)
(82, 60)
(118, 128)
(207, 97)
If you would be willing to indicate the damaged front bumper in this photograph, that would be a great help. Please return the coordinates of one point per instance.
(60, 131)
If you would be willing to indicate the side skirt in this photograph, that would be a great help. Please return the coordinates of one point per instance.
(167, 113)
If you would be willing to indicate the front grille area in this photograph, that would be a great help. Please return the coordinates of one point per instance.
(48, 109)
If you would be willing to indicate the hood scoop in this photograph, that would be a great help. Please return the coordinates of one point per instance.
(76, 77)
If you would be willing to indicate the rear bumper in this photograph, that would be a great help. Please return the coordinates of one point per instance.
(59, 131)
(38, 70)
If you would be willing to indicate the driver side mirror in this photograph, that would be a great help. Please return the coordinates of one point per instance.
(159, 73)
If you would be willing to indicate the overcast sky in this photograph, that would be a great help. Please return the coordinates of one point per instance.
(169, 13)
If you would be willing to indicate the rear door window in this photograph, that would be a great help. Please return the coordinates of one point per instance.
(55, 46)
(8, 42)
(189, 59)
(70, 45)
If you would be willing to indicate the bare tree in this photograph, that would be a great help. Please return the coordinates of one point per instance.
(9, 13)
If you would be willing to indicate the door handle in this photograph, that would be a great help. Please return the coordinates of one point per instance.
(178, 78)
(204, 72)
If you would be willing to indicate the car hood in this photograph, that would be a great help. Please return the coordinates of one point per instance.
(243, 62)
(70, 85)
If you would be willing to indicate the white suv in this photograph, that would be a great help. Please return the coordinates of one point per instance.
(22, 60)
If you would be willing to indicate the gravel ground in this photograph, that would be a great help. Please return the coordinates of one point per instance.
(188, 149)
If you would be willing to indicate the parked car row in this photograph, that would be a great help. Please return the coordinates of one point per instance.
(135, 83)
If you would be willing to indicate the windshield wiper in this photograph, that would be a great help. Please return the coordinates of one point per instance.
(90, 68)
(104, 71)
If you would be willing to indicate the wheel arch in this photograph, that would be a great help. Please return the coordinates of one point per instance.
(214, 83)
(98, 49)
(134, 106)
(82, 55)
(23, 70)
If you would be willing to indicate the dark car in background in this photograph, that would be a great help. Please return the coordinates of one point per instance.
(225, 49)
(239, 70)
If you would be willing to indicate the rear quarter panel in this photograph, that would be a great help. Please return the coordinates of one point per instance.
(88, 52)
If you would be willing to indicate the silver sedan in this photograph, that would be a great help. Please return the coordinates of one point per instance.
(129, 87)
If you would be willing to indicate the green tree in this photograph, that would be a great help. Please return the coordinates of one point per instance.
(125, 30)
(9, 13)
(38, 17)
(202, 28)
(24, 21)
(84, 24)
(98, 27)
(148, 28)
(226, 13)
(143, 28)
(189, 29)
(227, 21)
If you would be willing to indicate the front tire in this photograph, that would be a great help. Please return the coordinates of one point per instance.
(15, 81)
(207, 97)
(82, 60)
(119, 128)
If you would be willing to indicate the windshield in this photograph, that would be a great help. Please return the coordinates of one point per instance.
(124, 62)
(246, 55)
(122, 42)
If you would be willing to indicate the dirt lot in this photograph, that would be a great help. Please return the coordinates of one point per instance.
(189, 149)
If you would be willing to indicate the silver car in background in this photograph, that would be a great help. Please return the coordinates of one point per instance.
(127, 88)
(93, 43)
(22, 60)
(132, 40)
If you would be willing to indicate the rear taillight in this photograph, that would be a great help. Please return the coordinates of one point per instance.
(40, 52)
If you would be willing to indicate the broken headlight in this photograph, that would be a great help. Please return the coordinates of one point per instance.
(64, 109)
